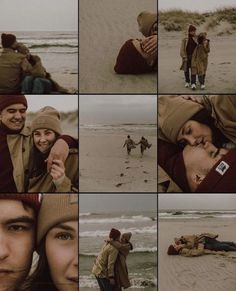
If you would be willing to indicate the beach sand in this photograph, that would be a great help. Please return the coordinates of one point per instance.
(220, 75)
(103, 28)
(105, 164)
(208, 272)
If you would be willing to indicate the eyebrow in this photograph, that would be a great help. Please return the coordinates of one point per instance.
(22, 219)
(65, 227)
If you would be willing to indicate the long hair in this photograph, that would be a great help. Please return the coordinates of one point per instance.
(40, 279)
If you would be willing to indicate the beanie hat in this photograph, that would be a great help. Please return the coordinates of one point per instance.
(126, 236)
(172, 250)
(33, 200)
(173, 112)
(146, 20)
(47, 117)
(8, 40)
(7, 100)
(114, 233)
(55, 209)
(191, 28)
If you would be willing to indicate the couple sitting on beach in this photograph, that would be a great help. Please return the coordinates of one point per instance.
(197, 143)
(110, 268)
(37, 157)
(194, 53)
(22, 72)
(39, 242)
(197, 245)
(130, 144)
(138, 56)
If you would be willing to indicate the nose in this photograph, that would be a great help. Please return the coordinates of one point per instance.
(17, 115)
(75, 259)
(191, 140)
(209, 147)
(42, 138)
(4, 250)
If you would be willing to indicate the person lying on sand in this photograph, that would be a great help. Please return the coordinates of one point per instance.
(121, 270)
(138, 56)
(144, 144)
(197, 245)
(130, 144)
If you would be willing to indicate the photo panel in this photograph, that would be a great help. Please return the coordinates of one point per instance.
(118, 143)
(119, 230)
(196, 241)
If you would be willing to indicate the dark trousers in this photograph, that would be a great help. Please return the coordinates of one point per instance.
(215, 245)
(201, 79)
(104, 284)
(186, 73)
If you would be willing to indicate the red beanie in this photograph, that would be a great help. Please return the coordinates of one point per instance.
(172, 251)
(191, 28)
(31, 199)
(7, 100)
(114, 233)
(8, 40)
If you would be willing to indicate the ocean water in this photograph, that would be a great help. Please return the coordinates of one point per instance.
(196, 214)
(58, 50)
(142, 261)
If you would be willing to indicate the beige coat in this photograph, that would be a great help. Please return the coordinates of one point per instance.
(104, 265)
(183, 47)
(70, 183)
(200, 59)
(19, 147)
(12, 66)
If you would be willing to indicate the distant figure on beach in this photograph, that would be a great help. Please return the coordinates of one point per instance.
(22, 72)
(200, 58)
(104, 265)
(188, 46)
(197, 245)
(138, 56)
(144, 144)
(130, 144)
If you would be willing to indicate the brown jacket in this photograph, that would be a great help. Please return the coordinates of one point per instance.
(12, 67)
(200, 59)
(183, 47)
(104, 265)
(121, 270)
(70, 183)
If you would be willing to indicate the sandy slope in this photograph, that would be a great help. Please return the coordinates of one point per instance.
(104, 27)
(105, 164)
(220, 76)
(208, 272)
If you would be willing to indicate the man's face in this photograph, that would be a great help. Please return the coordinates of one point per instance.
(192, 32)
(13, 116)
(16, 243)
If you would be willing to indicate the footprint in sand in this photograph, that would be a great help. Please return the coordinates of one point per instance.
(128, 167)
(126, 162)
(145, 181)
(119, 184)
(145, 172)
(122, 175)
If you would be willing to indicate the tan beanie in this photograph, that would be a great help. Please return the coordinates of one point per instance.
(55, 209)
(146, 20)
(173, 112)
(47, 117)
(126, 236)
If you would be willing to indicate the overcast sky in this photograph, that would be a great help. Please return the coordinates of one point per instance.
(197, 201)
(41, 15)
(60, 102)
(195, 5)
(116, 109)
(99, 203)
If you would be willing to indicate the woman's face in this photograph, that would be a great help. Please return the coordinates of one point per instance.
(44, 139)
(62, 255)
(194, 133)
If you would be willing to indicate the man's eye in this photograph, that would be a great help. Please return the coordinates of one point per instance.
(17, 228)
(64, 236)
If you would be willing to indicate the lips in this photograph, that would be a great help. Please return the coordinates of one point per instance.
(5, 272)
(73, 279)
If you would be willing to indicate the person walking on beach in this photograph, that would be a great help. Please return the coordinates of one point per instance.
(143, 144)
(104, 265)
(188, 46)
(130, 144)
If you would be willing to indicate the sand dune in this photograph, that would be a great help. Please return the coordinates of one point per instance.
(105, 166)
(208, 272)
(104, 27)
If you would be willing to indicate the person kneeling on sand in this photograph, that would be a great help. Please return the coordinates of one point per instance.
(104, 265)
(130, 144)
(138, 56)
(144, 144)
(197, 245)
(63, 176)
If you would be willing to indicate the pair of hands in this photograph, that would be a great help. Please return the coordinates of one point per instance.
(149, 45)
(196, 99)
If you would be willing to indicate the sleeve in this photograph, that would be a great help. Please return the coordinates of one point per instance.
(111, 262)
(66, 186)
(182, 49)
